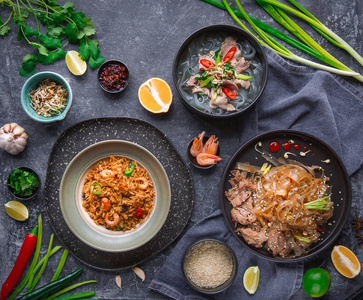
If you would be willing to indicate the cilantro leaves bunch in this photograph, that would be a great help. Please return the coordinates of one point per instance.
(23, 183)
(63, 25)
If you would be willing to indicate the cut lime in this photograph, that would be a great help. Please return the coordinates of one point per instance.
(75, 64)
(17, 210)
(316, 282)
(251, 279)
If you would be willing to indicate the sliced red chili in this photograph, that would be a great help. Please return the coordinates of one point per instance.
(290, 179)
(231, 52)
(207, 63)
(228, 92)
(320, 229)
(139, 213)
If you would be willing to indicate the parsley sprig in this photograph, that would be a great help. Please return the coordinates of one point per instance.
(63, 25)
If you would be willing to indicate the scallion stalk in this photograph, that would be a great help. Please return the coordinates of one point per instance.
(318, 204)
(65, 290)
(60, 265)
(301, 238)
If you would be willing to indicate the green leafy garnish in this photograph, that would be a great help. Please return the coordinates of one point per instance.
(301, 238)
(218, 60)
(206, 81)
(23, 183)
(243, 77)
(319, 204)
(63, 25)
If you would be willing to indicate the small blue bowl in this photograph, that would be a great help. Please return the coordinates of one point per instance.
(32, 83)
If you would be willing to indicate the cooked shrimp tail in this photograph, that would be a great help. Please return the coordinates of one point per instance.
(114, 222)
(206, 159)
(211, 146)
(197, 145)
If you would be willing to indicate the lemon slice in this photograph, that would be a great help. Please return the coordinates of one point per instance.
(75, 64)
(17, 210)
(251, 278)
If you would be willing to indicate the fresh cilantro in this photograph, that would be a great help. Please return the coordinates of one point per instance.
(23, 183)
(216, 54)
(200, 94)
(63, 25)
(204, 73)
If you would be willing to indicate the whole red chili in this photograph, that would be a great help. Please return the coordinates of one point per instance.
(25, 253)
(139, 213)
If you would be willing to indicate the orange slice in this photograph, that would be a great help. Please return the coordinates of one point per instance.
(155, 95)
(345, 261)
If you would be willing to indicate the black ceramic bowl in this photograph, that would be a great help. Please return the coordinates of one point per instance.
(225, 284)
(34, 193)
(201, 42)
(320, 151)
(193, 160)
(115, 67)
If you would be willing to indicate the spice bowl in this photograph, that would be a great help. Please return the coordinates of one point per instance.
(15, 176)
(31, 85)
(210, 266)
(113, 76)
(193, 160)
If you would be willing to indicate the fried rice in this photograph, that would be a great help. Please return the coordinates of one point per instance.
(114, 200)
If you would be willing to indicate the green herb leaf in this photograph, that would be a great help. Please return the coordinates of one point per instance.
(23, 183)
(49, 42)
(4, 29)
(52, 56)
(95, 63)
(55, 32)
(206, 81)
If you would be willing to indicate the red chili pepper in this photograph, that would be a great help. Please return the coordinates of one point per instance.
(207, 63)
(231, 52)
(290, 179)
(25, 253)
(139, 213)
(228, 92)
(320, 229)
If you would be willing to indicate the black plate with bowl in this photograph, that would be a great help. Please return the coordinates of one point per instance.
(211, 38)
(34, 192)
(335, 170)
(193, 159)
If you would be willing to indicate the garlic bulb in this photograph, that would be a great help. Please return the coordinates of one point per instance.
(13, 138)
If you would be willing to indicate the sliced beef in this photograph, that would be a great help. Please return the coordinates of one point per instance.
(277, 243)
(242, 65)
(241, 190)
(192, 82)
(243, 83)
(231, 85)
(209, 57)
(221, 102)
(228, 43)
(244, 214)
(254, 236)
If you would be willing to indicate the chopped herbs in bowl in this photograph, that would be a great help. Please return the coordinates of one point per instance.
(23, 183)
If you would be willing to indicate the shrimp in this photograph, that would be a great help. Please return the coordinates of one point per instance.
(114, 222)
(144, 184)
(197, 145)
(206, 159)
(211, 146)
(105, 204)
(106, 173)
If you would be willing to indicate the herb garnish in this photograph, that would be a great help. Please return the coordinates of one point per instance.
(23, 183)
(62, 23)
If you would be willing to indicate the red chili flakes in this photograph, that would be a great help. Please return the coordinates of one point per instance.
(114, 77)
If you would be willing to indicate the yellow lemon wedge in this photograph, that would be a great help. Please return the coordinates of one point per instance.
(345, 261)
(155, 95)
(17, 210)
(75, 64)
(251, 278)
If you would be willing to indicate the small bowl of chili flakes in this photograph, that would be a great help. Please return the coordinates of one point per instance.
(113, 76)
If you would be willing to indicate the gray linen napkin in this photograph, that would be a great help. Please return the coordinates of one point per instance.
(295, 97)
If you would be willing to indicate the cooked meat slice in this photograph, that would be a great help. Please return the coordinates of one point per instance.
(228, 43)
(241, 190)
(243, 214)
(243, 83)
(231, 85)
(277, 243)
(221, 102)
(209, 57)
(192, 80)
(254, 236)
(241, 66)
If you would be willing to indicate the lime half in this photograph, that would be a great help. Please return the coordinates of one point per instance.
(17, 210)
(251, 279)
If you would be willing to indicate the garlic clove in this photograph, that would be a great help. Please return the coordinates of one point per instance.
(6, 128)
(18, 130)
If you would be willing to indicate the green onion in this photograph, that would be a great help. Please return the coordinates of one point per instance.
(318, 204)
(70, 288)
(243, 77)
(206, 81)
(300, 238)
(33, 263)
(218, 60)
(60, 265)
(277, 47)
(76, 296)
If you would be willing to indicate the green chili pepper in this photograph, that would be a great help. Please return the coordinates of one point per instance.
(96, 188)
(130, 169)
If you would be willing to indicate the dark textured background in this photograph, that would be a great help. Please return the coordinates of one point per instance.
(146, 35)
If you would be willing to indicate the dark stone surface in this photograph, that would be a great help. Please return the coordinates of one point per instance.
(146, 35)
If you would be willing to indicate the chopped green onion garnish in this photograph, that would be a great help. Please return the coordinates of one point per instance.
(300, 238)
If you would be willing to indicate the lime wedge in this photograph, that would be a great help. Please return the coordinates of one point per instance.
(251, 278)
(17, 210)
(75, 64)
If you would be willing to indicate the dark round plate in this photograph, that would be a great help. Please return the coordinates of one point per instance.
(335, 170)
(200, 43)
(86, 133)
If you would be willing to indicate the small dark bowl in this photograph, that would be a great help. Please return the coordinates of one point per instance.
(105, 65)
(193, 159)
(34, 193)
(225, 285)
(208, 33)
